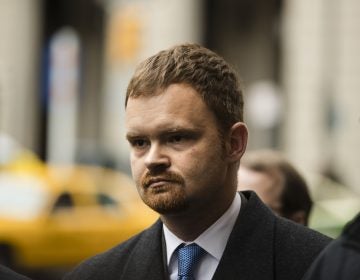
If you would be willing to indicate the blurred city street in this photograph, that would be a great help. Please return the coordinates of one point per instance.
(66, 191)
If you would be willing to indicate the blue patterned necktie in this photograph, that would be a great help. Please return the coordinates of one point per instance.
(188, 257)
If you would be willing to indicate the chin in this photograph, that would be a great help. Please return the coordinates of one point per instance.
(166, 205)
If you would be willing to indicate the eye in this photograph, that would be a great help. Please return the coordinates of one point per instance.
(176, 138)
(139, 143)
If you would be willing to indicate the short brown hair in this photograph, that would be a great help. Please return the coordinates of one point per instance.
(191, 64)
(295, 195)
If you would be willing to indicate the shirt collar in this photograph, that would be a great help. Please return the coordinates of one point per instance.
(213, 240)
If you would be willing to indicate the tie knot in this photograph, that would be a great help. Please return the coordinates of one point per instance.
(188, 257)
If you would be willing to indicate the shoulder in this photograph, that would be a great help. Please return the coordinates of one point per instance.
(287, 234)
(111, 263)
(296, 246)
(298, 235)
(107, 263)
(8, 274)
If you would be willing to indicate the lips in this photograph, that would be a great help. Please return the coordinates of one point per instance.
(160, 180)
(156, 182)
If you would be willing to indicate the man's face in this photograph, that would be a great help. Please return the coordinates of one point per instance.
(177, 159)
(268, 186)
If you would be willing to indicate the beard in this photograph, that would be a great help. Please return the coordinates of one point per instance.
(167, 198)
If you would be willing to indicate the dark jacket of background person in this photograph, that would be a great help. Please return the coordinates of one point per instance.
(8, 274)
(261, 246)
(341, 259)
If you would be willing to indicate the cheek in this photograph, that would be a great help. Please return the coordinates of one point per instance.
(186, 164)
(195, 163)
(192, 158)
(136, 169)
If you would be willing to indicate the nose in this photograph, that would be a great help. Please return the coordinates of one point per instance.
(156, 159)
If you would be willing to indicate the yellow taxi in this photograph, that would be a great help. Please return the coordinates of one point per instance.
(56, 216)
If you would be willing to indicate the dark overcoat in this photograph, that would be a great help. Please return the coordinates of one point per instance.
(341, 259)
(261, 246)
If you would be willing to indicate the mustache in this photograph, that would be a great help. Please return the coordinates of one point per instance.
(147, 179)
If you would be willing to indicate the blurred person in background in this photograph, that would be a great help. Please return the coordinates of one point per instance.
(340, 260)
(184, 123)
(277, 183)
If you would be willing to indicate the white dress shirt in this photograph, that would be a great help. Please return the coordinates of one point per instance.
(213, 241)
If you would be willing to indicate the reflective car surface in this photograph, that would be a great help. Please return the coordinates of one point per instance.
(58, 216)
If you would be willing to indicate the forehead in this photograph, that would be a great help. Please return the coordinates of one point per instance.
(178, 105)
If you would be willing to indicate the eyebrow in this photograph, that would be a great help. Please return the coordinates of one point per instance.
(130, 136)
(162, 133)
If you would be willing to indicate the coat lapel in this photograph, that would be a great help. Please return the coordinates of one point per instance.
(146, 260)
(249, 252)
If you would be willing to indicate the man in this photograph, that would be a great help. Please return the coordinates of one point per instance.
(185, 127)
(7, 274)
(340, 260)
(277, 183)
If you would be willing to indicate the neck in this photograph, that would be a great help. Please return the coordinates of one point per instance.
(190, 225)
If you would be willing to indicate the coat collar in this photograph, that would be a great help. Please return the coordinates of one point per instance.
(250, 244)
(146, 259)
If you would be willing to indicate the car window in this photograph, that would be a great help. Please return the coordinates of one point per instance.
(106, 200)
(64, 201)
(21, 197)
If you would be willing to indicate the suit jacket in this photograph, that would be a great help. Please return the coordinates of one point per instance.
(8, 274)
(261, 246)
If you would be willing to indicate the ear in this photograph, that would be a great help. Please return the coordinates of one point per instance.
(238, 141)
